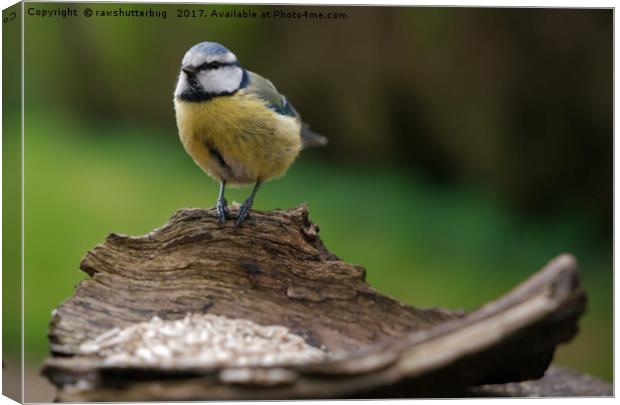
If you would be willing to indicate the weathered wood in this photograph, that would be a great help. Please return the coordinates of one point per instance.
(275, 270)
(557, 382)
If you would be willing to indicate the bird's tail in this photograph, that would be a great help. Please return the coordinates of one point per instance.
(311, 138)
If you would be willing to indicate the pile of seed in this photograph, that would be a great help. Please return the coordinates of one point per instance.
(201, 341)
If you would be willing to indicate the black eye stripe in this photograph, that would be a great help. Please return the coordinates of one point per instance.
(215, 65)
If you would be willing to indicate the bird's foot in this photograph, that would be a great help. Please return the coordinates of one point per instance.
(244, 213)
(222, 211)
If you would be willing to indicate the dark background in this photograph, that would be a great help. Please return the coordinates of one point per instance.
(518, 101)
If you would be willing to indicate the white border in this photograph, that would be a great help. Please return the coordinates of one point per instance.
(452, 3)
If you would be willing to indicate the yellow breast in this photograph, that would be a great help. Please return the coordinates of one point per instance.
(253, 142)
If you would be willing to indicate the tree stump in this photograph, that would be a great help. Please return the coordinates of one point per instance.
(275, 270)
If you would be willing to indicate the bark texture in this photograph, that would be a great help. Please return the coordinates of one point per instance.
(276, 270)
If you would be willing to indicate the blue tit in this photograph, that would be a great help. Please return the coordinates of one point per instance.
(235, 124)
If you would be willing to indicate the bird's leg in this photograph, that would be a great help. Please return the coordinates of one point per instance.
(244, 210)
(222, 206)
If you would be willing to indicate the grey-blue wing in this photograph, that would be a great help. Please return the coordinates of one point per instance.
(264, 89)
(268, 92)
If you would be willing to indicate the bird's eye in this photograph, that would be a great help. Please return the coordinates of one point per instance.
(209, 66)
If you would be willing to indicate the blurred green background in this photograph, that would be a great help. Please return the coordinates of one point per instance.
(467, 146)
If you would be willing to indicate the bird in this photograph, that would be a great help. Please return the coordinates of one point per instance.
(235, 124)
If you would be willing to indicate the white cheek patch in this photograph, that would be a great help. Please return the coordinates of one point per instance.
(222, 80)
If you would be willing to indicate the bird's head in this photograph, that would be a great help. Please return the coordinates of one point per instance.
(208, 70)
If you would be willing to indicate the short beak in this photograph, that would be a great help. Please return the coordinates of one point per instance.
(189, 70)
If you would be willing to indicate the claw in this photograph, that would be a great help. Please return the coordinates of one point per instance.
(244, 210)
(222, 211)
(244, 213)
